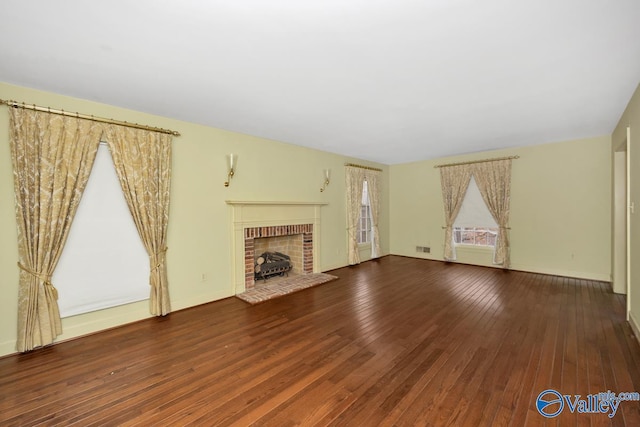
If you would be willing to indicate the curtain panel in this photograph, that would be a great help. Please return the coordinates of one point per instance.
(373, 183)
(454, 181)
(355, 183)
(494, 182)
(142, 160)
(52, 158)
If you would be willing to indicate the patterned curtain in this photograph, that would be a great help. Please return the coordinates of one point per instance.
(142, 160)
(355, 184)
(52, 158)
(454, 181)
(494, 182)
(373, 186)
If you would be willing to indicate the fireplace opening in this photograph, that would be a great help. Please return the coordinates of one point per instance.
(291, 243)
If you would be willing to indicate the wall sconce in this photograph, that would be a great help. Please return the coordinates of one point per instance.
(327, 173)
(232, 159)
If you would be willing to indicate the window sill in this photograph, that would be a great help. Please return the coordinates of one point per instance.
(474, 248)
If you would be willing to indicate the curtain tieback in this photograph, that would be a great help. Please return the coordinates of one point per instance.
(45, 278)
(156, 257)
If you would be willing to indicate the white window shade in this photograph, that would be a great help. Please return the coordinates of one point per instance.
(103, 263)
(474, 212)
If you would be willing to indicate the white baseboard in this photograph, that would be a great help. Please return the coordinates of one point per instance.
(634, 326)
(330, 267)
(7, 348)
(195, 300)
(90, 323)
(602, 277)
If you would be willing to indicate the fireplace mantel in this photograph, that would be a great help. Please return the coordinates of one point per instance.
(251, 214)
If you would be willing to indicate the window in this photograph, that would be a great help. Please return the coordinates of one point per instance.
(474, 224)
(477, 236)
(104, 263)
(364, 225)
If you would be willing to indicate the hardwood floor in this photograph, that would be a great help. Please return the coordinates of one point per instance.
(397, 341)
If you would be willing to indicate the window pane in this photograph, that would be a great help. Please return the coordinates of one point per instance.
(365, 194)
(364, 224)
(467, 236)
(481, 237)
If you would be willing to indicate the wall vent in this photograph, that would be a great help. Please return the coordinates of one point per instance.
(423, 249)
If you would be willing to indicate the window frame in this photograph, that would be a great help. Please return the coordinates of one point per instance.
(364, 235)
(474, 231)
(474, 226)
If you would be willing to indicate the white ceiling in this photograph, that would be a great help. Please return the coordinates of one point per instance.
(381, 80)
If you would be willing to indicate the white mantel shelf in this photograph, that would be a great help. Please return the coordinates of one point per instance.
(275, 203)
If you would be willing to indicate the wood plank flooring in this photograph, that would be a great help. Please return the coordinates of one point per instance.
(393, 342)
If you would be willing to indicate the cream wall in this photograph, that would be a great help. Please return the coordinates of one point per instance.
(631, 118)
(199, 234)
(560, 209)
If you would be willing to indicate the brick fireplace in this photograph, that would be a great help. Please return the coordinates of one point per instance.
(252, 221)
(298, 239)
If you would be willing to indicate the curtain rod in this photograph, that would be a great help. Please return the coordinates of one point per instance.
(363, 167)
(16, 104)
(477, 161)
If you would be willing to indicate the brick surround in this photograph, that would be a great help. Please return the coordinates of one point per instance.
(252, 233)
